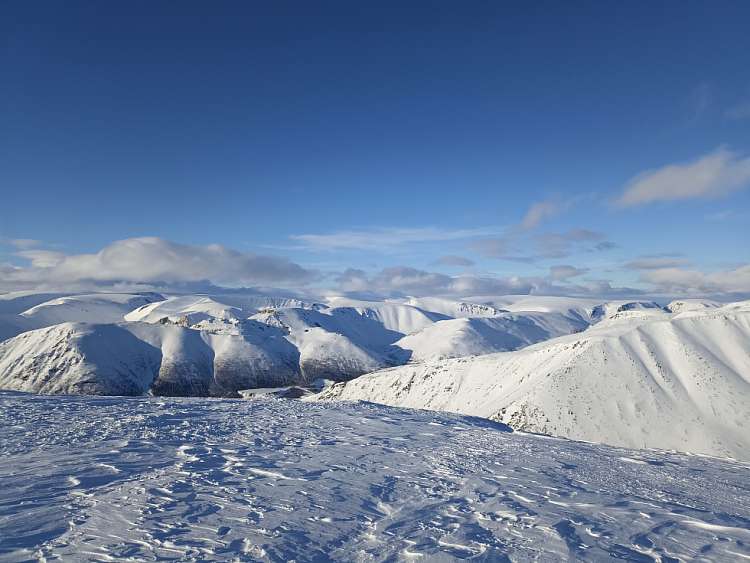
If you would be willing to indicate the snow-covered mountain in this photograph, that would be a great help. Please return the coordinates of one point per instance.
(23, 311)
(220, 344)
(471, 336)
(147, 479)
(680, 305)
(134, 358)
(13, 304)
(642, 378)
(91, 308)
(626, 373)
(454, 309)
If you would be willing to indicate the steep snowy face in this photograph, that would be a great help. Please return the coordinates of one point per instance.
(337, 343)
(135, 358)
(73, 358)
(675, 382)
(203, 347)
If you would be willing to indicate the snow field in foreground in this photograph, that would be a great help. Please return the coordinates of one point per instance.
(114, 478)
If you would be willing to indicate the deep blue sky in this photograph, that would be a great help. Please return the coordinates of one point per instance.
(251, 123)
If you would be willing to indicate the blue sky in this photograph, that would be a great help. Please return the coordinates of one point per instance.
(483, 139)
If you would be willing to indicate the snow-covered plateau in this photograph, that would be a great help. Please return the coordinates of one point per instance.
(196, 479)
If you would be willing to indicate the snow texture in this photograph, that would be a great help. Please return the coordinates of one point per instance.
(147, 479)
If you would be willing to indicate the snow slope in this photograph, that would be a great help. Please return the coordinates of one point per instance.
(17, 302)
(134, 358)
(681, 305)
(91, 308)
(274, 341)
(12, 305)
(454, 309)
(144, 479)
(589, 310)
(336, 343)
(23, 311)
(397, 317)
(455, 338)
(640, 379)
(291, 344)
(197, 308)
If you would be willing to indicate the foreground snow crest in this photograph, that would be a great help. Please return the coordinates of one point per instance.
(272, 480)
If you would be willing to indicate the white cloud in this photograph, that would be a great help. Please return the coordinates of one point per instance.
(384, 238)
(42, 258)
(402, 280)
(715, 174)
(684, 281)
(151, 259)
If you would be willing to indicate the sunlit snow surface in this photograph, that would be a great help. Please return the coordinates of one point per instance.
(207, 479)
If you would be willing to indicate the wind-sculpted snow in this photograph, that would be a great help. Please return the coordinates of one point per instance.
(146, 479)
(642, 378)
